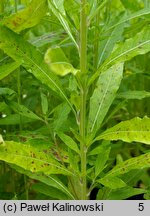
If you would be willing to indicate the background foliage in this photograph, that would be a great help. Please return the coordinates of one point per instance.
(41, 83)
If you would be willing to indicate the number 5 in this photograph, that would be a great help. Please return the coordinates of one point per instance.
(141, 206)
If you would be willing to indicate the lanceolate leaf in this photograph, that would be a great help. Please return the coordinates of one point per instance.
(72, 9)
(133, 95)
(109, 38)
(14, 119)
(111, 180)
(31, 159)
(22, 110)
(69, 142)
(49, 191)
(136, 129)
(61, 113)
(28, 17)
(96, 7)
(103, 96)
(106, 45)
(50, 180)
(124, 193)
(140, 162)
(137, 14)
(120, 193)
(6, 69)
(57, 7)
(7, 91)
(22, 51)
(132, 5)
(101, 161)
(139, 44)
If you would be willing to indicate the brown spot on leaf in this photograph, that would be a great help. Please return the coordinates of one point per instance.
(14, 23)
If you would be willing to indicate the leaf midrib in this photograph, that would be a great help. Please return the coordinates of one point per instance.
(127, 51)
(104, 95)
(57, 87)
(39, 160)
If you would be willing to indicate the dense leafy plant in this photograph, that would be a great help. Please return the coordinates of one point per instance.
(70, 74)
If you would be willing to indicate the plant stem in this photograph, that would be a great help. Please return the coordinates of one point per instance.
(83, 147)
(83, 37)
(96, 42)
(83, 94)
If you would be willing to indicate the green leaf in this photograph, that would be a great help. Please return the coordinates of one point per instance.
(140, 162)
(3, 106)
(112, 183)
(73, 161)
(135, 15)
(136, 129)
(28, 17)
(133, 95)
(138, 45)
(57, 7)
(100, 148)
(30, 158)
(110, 39)
(131, 5)
(147, 195)
(6, 69)
(54, 181)
(72, 9)
(50, 180)
(96, 7)
(58, 62)
(22, 51)
(101, 161)
(103, 96)
(61, 113)
(124, 193)
(14, 119)
(22, 110)
(1, 140)
(49, 191)
(69, 142)
(118, 194)
(7, 91)
(44, 103)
